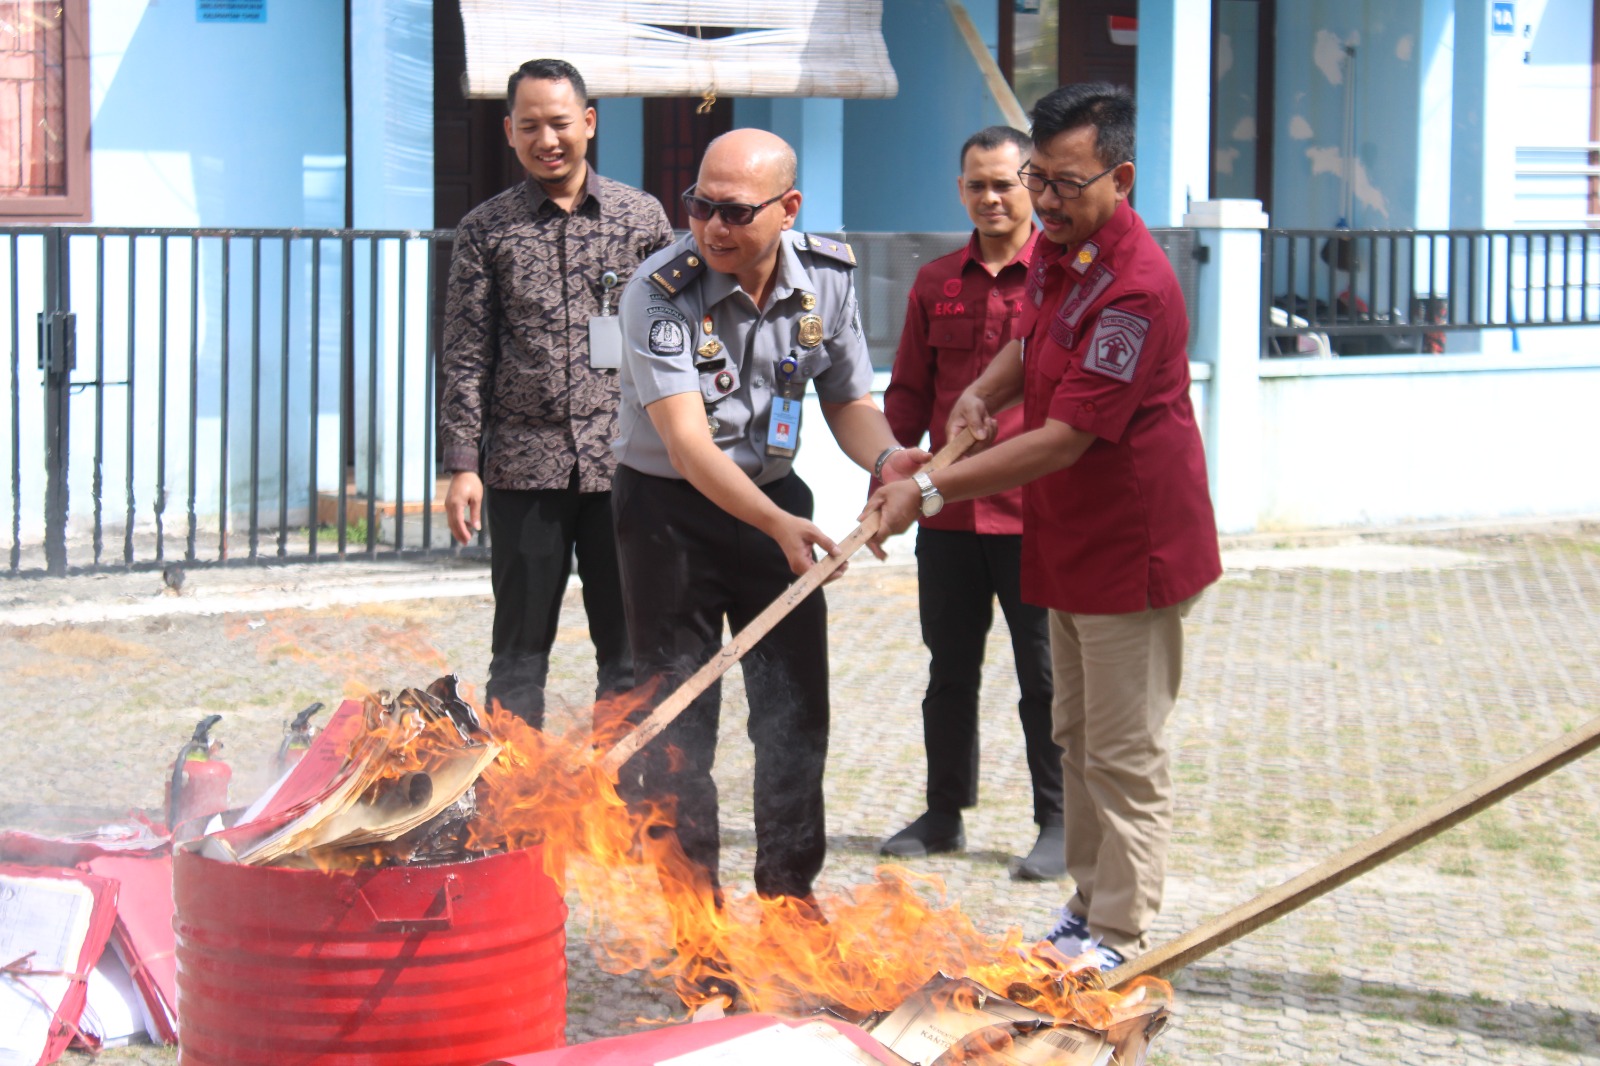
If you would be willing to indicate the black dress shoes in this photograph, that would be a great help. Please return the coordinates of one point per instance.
(931, 834)
(1048, 859)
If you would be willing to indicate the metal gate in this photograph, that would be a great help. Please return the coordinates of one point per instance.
(219, 396)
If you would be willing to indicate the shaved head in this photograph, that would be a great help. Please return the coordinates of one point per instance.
(752, 156)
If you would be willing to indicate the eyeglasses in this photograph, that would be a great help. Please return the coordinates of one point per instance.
(1064, 189)
(700, 209)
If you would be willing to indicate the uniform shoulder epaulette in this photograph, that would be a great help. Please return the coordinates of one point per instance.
(826, 247)
(673, 276)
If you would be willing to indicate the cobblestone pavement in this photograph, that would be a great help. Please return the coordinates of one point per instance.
(1331, 691)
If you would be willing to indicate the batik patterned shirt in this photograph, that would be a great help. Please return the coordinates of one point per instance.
(521, 403)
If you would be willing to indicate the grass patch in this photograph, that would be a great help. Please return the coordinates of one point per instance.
(1559, 1043)
(79, 644)
(355, 532)
(1324, 984)
(1429, 1014)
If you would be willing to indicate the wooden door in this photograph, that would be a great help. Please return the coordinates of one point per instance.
(1097, 41)
(675, 137)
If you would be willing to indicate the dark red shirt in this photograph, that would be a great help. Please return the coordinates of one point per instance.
(1129, 526)
(958, 316)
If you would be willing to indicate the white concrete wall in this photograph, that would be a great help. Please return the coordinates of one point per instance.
(1389, 439)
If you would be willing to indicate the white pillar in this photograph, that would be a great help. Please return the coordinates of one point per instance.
(1227, 317)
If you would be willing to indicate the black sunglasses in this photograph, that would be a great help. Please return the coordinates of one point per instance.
(700, 209)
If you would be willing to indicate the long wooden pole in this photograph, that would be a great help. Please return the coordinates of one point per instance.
(1357, 859)
(760, 626)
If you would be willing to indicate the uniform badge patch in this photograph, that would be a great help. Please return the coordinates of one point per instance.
(810, 331)
(952, 287)
(666, 338)
(723, 381)
(1118, 339)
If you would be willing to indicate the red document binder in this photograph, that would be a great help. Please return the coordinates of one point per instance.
(143, 935)
(54, 923)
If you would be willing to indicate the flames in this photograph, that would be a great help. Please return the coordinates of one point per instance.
(858, 952)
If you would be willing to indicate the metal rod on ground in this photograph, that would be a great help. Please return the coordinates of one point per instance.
(1357, 859)
(760, 625)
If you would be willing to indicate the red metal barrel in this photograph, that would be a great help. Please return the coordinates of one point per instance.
(400, 966)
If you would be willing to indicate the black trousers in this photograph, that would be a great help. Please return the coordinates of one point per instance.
(533, 535)
(959, 576)
(686, 565)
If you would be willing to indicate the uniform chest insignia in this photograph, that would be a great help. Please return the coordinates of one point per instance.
(709, 349)
(1086, 255)
(952, 287)
(705, 325)
(810, 331)
(808, 301)
(724, 381)
(1084, 295)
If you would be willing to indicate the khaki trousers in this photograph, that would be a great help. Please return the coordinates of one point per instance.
(1116, 680)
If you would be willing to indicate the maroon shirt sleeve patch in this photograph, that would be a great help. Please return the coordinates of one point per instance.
(1114, 349)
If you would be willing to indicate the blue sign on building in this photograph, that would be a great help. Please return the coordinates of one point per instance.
(230, 10)
(1503, 18)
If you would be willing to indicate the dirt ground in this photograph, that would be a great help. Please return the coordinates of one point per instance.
(1325, 699)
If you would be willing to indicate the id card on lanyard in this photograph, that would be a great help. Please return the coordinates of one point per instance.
(783, 431)
(605, 329)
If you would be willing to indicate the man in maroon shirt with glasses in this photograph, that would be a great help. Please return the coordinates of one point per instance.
(959, 314)
(1119, 539)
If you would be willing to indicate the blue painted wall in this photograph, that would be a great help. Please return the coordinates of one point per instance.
(216, 124)
(900, 154)
(620, 132)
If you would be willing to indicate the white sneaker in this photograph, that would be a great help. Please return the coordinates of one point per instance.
(1071, 935)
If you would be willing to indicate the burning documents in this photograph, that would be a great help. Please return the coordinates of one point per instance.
(419, 777)
(388, 780)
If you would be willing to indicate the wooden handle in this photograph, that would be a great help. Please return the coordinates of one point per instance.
(761, 624)
(1357, 859)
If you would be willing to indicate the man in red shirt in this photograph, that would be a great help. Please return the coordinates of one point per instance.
(958, 315)
(1118, 534)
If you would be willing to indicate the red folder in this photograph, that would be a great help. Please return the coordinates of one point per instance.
(143, 934)
(40, 950)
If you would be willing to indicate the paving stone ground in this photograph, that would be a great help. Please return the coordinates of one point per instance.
(1328, 695)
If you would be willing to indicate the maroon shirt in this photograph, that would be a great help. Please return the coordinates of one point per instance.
(1129, 526)
(958, 316)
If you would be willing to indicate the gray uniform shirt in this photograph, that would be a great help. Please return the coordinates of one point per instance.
(708, 338)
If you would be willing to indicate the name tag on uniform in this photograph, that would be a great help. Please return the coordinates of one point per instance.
(783, 432)
(605, 342)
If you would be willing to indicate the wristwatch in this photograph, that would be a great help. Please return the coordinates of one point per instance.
(932, 502)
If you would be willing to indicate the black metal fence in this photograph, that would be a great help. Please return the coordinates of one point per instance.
(254, 396)
(219, 396)
(1397, 291)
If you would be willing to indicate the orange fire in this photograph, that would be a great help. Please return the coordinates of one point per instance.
(866, 951)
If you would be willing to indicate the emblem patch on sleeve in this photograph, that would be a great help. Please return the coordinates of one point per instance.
(666, 338)
(1114, 349)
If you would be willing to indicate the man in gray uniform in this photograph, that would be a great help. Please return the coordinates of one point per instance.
(721, 332)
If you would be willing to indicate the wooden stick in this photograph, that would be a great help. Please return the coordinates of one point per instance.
(1005, 99)
(760, 625)
(1357, 859)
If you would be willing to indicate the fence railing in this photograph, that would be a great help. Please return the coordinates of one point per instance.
(212, 396)
(218, 395)
(1360, 292)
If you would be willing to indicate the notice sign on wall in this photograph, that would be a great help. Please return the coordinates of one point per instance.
(230, 10)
